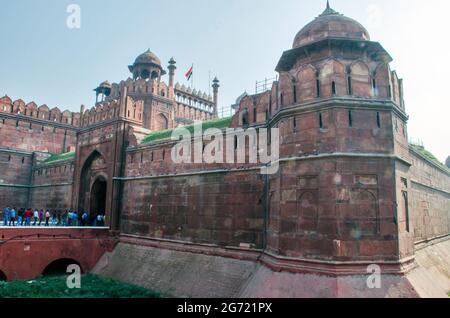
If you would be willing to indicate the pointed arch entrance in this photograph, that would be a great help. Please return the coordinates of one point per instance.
(94, 185)
(98, 196)
(162, 123)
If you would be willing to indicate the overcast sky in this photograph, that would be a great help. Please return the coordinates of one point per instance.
(239, 41)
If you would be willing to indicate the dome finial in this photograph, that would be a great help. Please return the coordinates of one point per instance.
(329, 10)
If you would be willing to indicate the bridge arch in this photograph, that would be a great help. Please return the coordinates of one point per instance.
(59, 267)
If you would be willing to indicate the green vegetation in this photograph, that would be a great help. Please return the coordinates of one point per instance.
(219, 123)
(428, 155)
(61, 157)
(92, 286)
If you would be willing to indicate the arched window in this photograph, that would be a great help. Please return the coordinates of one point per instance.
(270, 103)
(294, 89)
(333, 88)
(162, 122)
(244, 118)
(145, 74)
(318, 84)
(155, 75)
(406, 209)
(349, 84)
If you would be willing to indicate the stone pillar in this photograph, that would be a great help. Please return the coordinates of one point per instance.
(215, 87)
(82, 109)
(172, 69)
(123, 102)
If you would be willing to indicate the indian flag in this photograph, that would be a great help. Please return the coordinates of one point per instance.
(190, 73)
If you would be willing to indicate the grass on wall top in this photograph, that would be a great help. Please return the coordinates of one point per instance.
(428, 155)
(60, 157)
(219, 123)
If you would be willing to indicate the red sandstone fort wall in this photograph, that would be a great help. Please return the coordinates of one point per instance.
(26, 129)
(211, 204)
(31, 128)
(301, 134)
(52, 186)
(21, 133)
(333, 208)
(429, 199)
(221, 208)
(15, 170)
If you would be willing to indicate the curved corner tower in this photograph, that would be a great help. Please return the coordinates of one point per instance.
(338, 198)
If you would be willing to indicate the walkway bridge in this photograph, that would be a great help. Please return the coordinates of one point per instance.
(29, 252)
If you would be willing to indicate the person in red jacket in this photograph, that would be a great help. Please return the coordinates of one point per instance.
(28, 216)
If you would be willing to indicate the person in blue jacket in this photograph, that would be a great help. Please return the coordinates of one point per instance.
(6, 216)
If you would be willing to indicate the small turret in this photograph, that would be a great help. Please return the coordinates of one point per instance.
(147, 66)
(172, 69)
(103, 90)
(215, 87)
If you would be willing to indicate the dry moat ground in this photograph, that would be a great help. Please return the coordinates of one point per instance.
(92, 286)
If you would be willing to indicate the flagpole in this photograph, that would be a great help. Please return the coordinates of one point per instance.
(192, 77)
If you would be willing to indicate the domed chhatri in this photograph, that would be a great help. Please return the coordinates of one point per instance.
(148, 57)
(147, 66)
(330, 24)
(105, 84)
(332, 30)
(103, 90)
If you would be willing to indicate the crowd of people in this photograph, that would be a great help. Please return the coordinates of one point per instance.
(39, 217)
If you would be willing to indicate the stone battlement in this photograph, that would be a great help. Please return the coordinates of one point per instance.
(43, 112)
(127, 108)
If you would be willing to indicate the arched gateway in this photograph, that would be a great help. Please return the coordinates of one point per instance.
(94, 185)
(98, 196)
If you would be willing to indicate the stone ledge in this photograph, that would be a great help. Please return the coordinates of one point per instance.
(275, 262)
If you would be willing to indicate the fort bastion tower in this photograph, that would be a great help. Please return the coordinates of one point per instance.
(350, 191)
(341, 193)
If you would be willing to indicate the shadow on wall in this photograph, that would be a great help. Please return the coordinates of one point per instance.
(2, 277)
(59, 267)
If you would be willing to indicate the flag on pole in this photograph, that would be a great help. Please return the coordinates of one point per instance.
(190, 73)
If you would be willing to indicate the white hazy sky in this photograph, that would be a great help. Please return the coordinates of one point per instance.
(240, 41)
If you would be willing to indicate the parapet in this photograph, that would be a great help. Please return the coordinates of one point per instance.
(132, 110)
(140, 87)
(43, 112)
